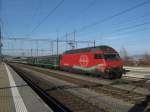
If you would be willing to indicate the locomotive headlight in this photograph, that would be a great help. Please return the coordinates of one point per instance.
(101, 67)
(107, 70)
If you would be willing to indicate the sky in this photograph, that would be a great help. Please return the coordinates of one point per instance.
(90, 19)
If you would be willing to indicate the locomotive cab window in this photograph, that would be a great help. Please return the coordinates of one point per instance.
(98, 56)
(111, 56)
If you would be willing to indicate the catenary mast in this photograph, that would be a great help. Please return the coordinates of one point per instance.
(0, 44)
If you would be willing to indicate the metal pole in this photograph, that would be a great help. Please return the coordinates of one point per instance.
(94, 43)
(37, 47)
(31, 52)
(74, 36)
(0, 45)
(51, 47)
(66, 41)
(37, 51)
(57, 46)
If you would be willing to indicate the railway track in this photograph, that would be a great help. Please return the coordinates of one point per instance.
(125, 95)
(126, 80)
(59, 100)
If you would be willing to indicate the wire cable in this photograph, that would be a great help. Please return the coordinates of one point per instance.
(49, 14)
(134, 26)
(89, 5)
(115, 15)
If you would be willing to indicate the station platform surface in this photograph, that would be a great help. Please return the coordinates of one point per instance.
(16, 95)
(138, 72)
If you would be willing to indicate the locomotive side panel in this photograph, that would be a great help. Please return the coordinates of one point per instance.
(79, 59)
(82, 61)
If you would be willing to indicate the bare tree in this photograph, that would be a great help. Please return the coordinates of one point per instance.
(124, 54)
(146, 57)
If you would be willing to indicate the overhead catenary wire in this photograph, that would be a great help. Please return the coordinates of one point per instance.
(123, 35)
(110, 17)
(36, 10)
(120, 30)
(132, 21)
(130, 27)
(115, 15)
(49, 14)
(119, 27)
(137, 30)
(133, 26)
(46, 40)
(89, 5)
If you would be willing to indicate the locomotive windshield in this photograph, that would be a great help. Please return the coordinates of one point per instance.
(111, 56)
(99, 56)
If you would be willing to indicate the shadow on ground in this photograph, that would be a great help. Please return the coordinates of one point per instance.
(142, 106)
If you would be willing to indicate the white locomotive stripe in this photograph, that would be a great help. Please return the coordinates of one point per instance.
(18, 101)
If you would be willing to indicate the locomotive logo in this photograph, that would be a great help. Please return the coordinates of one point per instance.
(83, 60)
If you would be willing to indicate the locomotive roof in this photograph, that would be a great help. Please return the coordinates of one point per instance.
(87, 49)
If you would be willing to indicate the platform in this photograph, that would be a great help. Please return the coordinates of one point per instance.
(16, 95)
(138, 72)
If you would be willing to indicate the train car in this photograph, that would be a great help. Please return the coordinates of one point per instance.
(51, 61)
(101, 60)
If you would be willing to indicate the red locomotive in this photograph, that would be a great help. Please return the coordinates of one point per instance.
(101, 60)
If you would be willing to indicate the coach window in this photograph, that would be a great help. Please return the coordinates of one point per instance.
(98, 56)
(60, 57)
